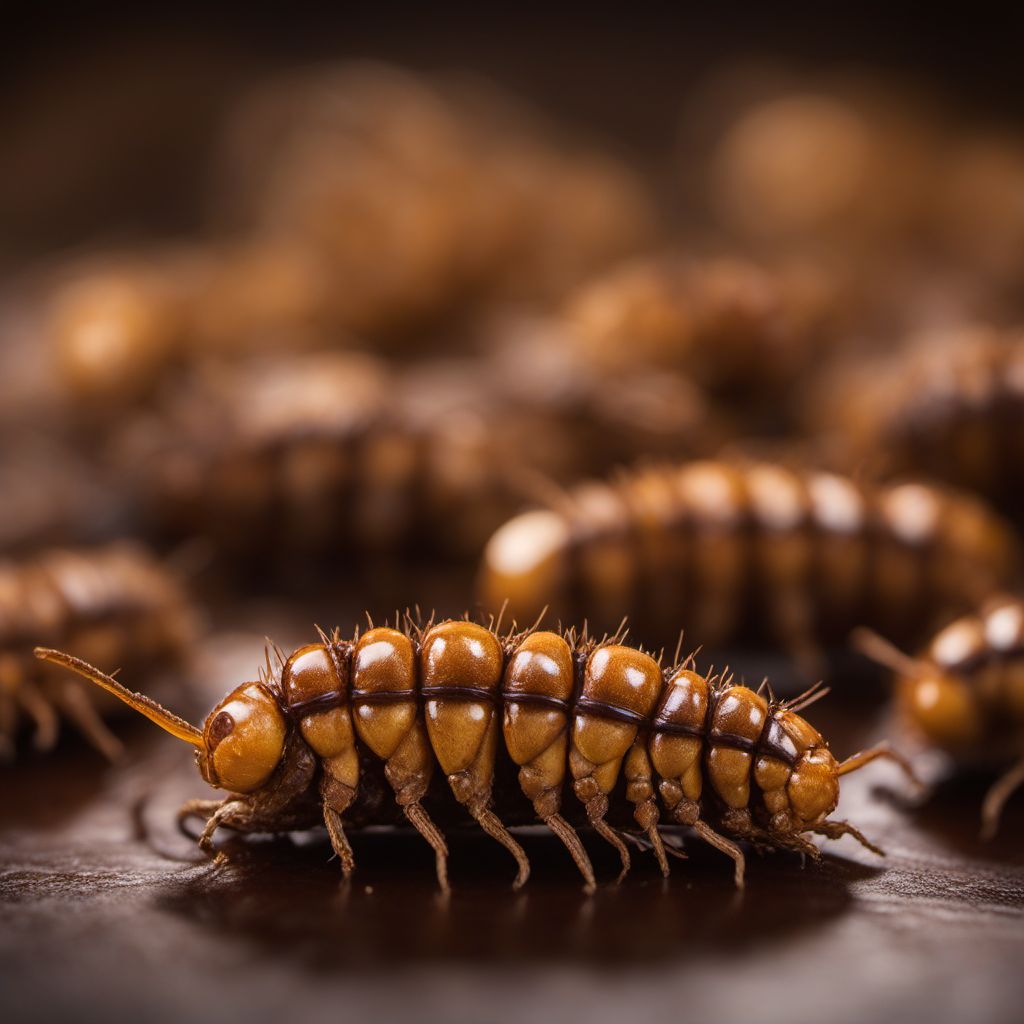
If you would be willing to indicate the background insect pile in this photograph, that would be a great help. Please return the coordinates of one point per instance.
(428, 344)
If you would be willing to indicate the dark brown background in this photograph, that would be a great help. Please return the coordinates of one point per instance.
(107, 912)
(107, 111)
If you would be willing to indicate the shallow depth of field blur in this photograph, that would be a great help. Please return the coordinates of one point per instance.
(305, 306)
(444, 278)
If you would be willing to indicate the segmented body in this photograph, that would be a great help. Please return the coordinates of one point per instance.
(964, 693)
(986, 648)
(570, 714)
(950, 408)
(328, 450)
(114, 604)
(794, 557)
(734, 326)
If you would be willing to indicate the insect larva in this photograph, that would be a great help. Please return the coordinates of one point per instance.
(836, 170)
(114, 603)
(324, 450)
(964, 694)
(793, 557)
(420, 195)
(732, 325)
(121, 325)
(310, 739)
(948, 408)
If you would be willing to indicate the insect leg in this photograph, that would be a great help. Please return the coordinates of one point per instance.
(40, 710)
(835, 829)
(228, 809)
(408, 770)
(424, 824)
(572, 842)
(492, 825)
(197, 808)
(339, 841)
(75, 703)
(541, 778)
(995, 799)
(12, 680)
(338, 790)
(596, 803)
(727, 846)
(640, 792)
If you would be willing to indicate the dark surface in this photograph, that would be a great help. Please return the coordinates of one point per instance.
(108, 911)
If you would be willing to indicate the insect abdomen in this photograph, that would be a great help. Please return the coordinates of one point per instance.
(758, 549)
(565, 710)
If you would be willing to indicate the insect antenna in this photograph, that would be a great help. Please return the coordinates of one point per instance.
(884, 653)
(167, 721)
(881, 751)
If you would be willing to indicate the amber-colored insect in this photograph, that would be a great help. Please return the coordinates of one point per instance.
(372, 203)
(418, 194)
(114, 603)
(725, 547)
(292, 748)
(734, 326)
(964, 694)
(325, 449)
(950, 407)
(123, 323)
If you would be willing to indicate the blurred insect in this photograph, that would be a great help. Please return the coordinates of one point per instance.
(758, 550)
(112, 603)
(737, 328)
(262, 455)
(837, 166)
(311, 738)
(964, 694)
(121, 325)
(950, 407)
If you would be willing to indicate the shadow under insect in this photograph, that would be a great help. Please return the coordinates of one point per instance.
(285, 899)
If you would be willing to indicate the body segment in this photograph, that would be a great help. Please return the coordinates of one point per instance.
(964, 693)
(792, 557)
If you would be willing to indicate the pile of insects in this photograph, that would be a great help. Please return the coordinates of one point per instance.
(425, 331)
(728, 762)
